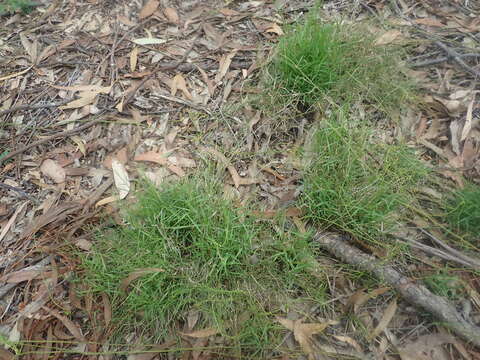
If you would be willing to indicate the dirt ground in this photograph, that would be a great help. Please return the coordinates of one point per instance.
(89, 89)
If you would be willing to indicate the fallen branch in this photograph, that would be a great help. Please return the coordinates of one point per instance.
(415, 294)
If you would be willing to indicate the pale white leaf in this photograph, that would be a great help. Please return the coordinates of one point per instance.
(120, 177)
(149, 41)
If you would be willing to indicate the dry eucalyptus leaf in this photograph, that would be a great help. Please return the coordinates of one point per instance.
(201, 333)
(388, 37)
(426, 347)
(54, 171)
(225, 63)
(148, 9)
(134, 275)
(149, 41)
(133, 59)
(152, 156)
(385, 320)
(86, 98)
(172, 15)
(179, 83)
(120, 177)
(468, 120)
(303, 332)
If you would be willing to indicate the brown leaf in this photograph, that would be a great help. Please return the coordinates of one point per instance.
(30, 47)
(360, 297)
(225, 63)
(468, 120)
(426, 347)
(172, 15)
(385, 320)
(176, 170)
(69, 324)
(6, 355)
(388, 37)
(350, 341)
(135, 275)
(121, 155)
(107, 309)
(20, 276)
(179, 83)
(148, 9)
(86, 98)
(201, 333)
(182, 161)
(303, 332)
(152, 156)
(150, 352)
(133, 59)
(228, 12)
(221, 158)
(54, 171)
(429, 22)
(83, 244)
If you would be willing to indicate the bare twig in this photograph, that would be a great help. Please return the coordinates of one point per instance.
(475, 263)
(33, 107)
(452, 54)
(183, 102)
(440, 60)
(49, 138)
(436, 252)
(206, 65)
(416, 294)
(113, 65)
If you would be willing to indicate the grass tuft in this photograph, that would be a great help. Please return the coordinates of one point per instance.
(338, 61)
(464, 211)
(444, 284)
(13, 5)
(354, 184)
(213, 259)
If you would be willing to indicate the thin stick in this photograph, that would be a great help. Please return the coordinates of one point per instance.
(416, 294)
(440, 60)
(48, 138)
(33, 107)
(474, 262)
(458, 59)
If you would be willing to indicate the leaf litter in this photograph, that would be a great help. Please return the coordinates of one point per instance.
(98, 59)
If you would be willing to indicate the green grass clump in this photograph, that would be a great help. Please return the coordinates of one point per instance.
(315, 59)
(445, 285)
(354, 184)
(464, 211)
(13, 5)
(207, 256)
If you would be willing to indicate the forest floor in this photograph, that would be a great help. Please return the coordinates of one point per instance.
(97, 95)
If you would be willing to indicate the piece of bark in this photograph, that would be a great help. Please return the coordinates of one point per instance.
(416, 294)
